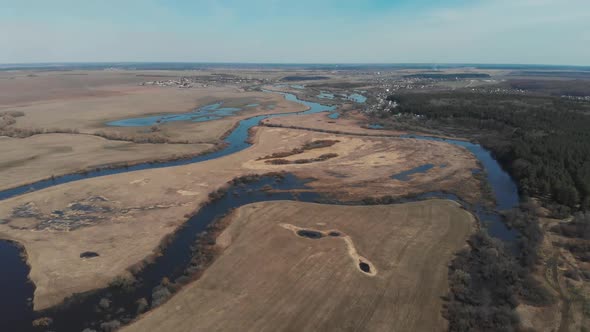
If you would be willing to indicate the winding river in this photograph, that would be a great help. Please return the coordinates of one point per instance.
(16, 313)
(236, 141)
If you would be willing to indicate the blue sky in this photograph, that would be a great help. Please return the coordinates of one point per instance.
(297, 31)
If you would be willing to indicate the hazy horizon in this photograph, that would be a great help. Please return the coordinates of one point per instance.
(536, 32)
(184, 65)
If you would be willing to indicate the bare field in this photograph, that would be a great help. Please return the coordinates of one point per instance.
(274, 280)
(89, 115)
(29, 87)
(26, 160)
(20, 88)
(132, 212)
(85, 101)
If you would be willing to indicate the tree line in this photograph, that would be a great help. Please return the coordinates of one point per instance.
(487, 281)
(543, 141)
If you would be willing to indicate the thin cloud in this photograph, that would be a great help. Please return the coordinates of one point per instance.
(516, 31)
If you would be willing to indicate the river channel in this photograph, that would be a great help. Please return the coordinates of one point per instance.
(16, 312)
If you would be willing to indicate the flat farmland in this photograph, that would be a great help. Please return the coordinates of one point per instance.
(269, 278)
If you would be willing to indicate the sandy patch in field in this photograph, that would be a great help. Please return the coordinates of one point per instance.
(351, 249)
(187, 193)
(274, 280)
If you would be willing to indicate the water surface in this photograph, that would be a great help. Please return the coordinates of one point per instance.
(504, 188)
(16, 311)
(16, 314)
(358, 98)
(202, 114)
(236, 141)
(405, 175)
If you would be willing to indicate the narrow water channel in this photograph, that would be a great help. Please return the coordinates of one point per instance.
(85, 312)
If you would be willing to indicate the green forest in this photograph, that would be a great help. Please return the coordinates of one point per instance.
(543, 141)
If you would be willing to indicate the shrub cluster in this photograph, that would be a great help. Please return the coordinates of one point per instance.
(140, 139)
(526, 221)
(323, 157)
(307, 146)
(488, 280)
(486, 283)
(578, 227)
(27, 132)
(255, 178)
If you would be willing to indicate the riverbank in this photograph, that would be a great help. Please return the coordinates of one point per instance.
(364, 166)
(40, 157)
(68, 112)
(116, 226)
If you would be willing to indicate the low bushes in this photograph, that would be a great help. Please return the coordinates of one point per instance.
(255, 178)
(153, 138)
(307, 146)
(579, 227)
(323, 157)
(27, 132)
(486, 283)
(14, 114)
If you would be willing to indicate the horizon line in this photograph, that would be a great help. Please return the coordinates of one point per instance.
(432, 64)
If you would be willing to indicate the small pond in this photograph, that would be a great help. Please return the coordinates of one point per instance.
(405, 175)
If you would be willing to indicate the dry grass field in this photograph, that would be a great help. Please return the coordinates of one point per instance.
(352, 123)
(270, 279)
(132, 212)
(21, 88)
(84, 101)
(90, 114)
(26, 160)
